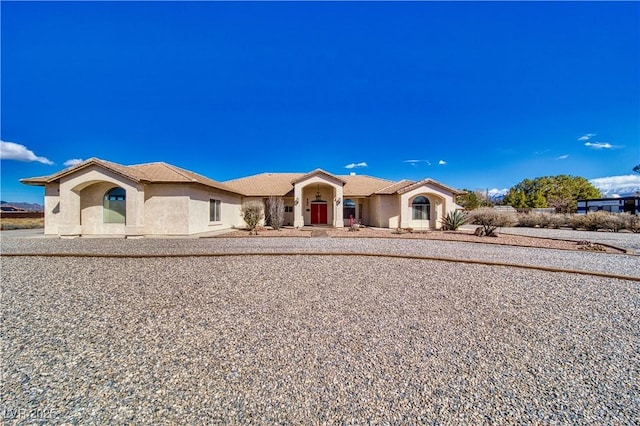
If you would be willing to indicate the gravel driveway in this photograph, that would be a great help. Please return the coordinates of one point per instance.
(625, 240)
(315, 339)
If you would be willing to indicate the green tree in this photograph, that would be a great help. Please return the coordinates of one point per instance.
(515, 198)
(469, 200)
(561, 192)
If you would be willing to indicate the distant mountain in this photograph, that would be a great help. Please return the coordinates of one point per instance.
(617, 186)
(32, 207)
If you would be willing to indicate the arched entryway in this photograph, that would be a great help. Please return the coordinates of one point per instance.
(317, 200)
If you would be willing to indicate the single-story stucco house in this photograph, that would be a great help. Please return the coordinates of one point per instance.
(98, 197)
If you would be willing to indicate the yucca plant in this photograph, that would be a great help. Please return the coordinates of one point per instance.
(454, 220)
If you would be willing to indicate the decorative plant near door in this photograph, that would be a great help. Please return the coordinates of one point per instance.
(453, 220)
(276, 212)
(252, 213)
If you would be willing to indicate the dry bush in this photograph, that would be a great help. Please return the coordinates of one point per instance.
(491, 219)
(613, 222)
(632, 222)
(276, 212)
(252, 213)
(7, 224)
(529, 220)
(598, 220)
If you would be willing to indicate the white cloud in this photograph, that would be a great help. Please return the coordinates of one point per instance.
(416, 162)
(442, 162)
(355, 165)
(586, 137)
(73, 162)
(615, 185)
(15, 151)
(598, 145)
(563, 157)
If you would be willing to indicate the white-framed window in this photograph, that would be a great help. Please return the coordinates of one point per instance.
(214, 211)
(348, 209)
(421, 208)
(114, 206)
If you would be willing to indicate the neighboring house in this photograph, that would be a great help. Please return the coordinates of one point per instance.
(98, 197)
(630, 204)
(6, 208)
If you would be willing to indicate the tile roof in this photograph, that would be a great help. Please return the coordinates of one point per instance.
(432, 182)
(317, 172)
(362, 185)
(260, 185)
(265, 184)
(395, 187)
(281, 184)
(149, 172)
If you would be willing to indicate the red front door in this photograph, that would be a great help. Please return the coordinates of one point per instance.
(318, 214)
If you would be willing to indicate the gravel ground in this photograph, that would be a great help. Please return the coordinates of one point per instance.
(625, 240)
(313, 339)
(575, 260)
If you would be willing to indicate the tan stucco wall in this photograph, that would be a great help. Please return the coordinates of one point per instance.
(89, 183)
(288, 217)
(199, 210)
(179, 209)
(441, 202)
(384, 211)
(91, 211)
(152, 209)
(52, 215)
(166, 209)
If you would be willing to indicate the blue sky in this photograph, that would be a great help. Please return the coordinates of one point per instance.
(476, 95)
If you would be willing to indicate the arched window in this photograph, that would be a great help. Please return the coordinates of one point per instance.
(421, 208)
(349, 208)
(115, 206)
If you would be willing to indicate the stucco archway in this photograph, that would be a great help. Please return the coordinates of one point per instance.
(318, 198)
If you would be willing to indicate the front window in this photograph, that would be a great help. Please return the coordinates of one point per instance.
(214, 211)
(349, 209)
(421, 208)
(115, 206)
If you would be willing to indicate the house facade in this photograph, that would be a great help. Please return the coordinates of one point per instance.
(98, 197)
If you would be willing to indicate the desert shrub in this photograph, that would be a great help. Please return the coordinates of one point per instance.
(529, 220)
(597, 220)
(603, 220)
(7, 224)
(491, 219)
(631, 222)
(612, 222)
(453, 220)
(545, 220)
(252, 213)
(276, 212)
(555, 221)
(578, 221)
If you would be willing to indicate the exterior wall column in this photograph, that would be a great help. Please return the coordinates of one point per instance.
(338, 209)
(298, 205)
(405, 211)
(135, 212)
(70, 212)
(437, 214)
